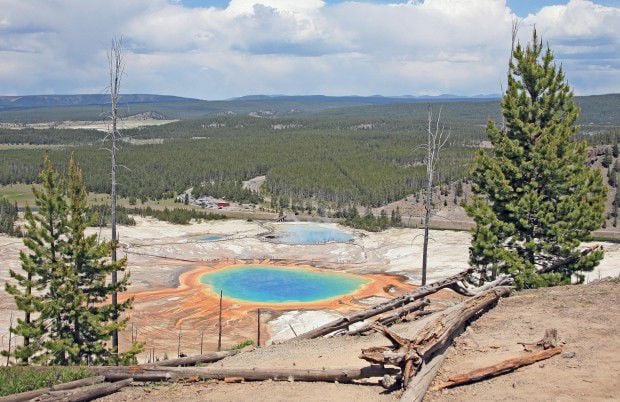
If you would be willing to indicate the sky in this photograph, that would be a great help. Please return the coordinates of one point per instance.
(218, 49)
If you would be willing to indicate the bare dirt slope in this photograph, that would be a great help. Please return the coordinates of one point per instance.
(587, 318)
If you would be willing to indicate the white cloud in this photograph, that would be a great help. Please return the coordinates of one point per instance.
(296, 46)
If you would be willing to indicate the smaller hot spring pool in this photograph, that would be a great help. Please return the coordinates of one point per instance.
(307, 233)
(272, 284)
(210, 237)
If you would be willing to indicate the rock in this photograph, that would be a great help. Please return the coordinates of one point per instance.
(568, 355)
(388, 381)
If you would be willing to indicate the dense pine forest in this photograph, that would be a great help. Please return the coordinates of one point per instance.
(367, 155)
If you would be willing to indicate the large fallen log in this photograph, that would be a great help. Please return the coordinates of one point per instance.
(423, 291)
(391, 318)
(28, 395)
(503, 367)
(78, 383)
(87, 393)
(502, 280)
(412, 354)
(193, 360)
(423, 379)
(254, 374)
(25, 396)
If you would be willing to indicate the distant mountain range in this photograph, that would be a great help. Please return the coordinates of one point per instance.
(596, 109)
(32, 101)
(28, 101)
(373, 99)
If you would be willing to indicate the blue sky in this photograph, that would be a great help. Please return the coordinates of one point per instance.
(215, 49)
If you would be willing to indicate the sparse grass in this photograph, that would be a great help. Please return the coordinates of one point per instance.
(27, 378)
(20, 193)
(247, 342)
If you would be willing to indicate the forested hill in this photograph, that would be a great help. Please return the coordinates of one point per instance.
(363, 154)
(43, 108)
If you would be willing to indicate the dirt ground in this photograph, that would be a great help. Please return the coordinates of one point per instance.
(587, 318)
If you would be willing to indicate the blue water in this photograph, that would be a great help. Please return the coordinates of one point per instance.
(268, 284)
(309, 234)
(210, 237)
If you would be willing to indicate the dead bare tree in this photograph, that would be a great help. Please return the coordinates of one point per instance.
(437, 137)
(116, 69)
(513, 39)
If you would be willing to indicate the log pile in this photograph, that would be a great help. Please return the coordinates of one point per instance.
(413, 354)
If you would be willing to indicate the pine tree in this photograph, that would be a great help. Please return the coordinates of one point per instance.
(43, 239)
(87, 320)
(535, 198)
(8, 216)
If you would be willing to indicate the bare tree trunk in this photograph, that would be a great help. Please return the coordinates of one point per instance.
(436, 140)
(117, 66)
(505, 366)
(193, 360)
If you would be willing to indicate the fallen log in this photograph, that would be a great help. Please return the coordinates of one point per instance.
(502, 280)
(88, 393)
(503, 367)
(423, 291)
(139, 377)
(28, 395)
(256, 374)
(424, 377)
(78, 383)
(193, 360)
(25, 396)
(394, 316)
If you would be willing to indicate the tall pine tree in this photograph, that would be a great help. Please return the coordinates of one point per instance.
(43, 239)
(535, 198)
(89, 317)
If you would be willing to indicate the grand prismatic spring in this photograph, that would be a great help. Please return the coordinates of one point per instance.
(273, 284)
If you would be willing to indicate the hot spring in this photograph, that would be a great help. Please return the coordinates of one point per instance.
(307, 233)
(211, 237)
(272, 284)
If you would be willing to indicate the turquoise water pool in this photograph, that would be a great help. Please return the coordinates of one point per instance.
(211, 237)
(309, 234)
(268, 284)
